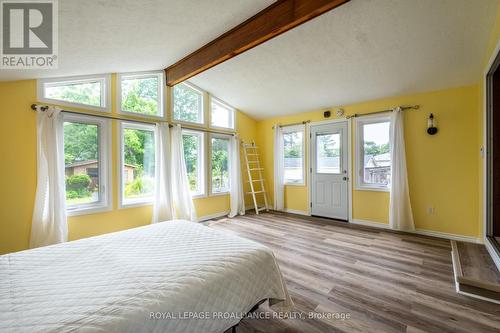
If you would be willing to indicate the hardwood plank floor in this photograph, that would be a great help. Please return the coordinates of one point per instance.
(384, 281)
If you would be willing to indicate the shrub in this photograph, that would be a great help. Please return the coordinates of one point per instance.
(78, 183)
(139, 186)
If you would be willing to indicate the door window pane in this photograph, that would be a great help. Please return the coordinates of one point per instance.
(81, 160)
(328, 153)
(219, 163)
(193, 154)
(188, 103)
(138, 165)
(293, 155)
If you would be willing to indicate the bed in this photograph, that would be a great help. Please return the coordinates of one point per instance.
(175, 276)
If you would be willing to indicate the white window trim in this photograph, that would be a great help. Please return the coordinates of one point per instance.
(209, 170)
(291, 129)
(140, 75)
(215, 100)
(105, 176)
(203, 114)
(122, 202)
(105, 80)
(360, 185)
(201, 162)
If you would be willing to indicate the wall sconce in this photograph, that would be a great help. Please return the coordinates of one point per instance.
(431, 128)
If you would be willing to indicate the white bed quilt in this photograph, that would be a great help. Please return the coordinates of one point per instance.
(174, 270)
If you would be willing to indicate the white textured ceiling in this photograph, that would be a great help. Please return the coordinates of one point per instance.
(107, 36)
(363, 50)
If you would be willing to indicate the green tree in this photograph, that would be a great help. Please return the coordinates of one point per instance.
(80, 142)
(140, 96)
(371, 148)
(186, 103)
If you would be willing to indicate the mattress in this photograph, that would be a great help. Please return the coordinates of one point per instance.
(175, 276)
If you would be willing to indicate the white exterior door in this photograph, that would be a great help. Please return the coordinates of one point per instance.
(329, 170)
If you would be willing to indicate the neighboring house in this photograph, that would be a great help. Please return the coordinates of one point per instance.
(378, 168)
(91, 168)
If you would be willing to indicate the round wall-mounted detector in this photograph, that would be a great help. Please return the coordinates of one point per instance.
(340, 112)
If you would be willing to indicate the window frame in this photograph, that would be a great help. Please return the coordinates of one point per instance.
(138, 75)
(209, 170)
(105, 175)
(223, 104)
(202, 153)
(123, 203)
(105, 80)
(360, 185)
(291, 129)
(204, 117)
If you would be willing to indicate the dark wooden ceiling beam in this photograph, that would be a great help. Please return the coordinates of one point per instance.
(281, 16)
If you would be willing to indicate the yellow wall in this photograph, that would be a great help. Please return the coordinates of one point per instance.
(18, 170)
(443, 169)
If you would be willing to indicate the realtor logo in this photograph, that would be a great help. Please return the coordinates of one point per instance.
(29, 34)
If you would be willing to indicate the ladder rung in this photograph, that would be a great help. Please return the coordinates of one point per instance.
(261, 209)
(254, 169)
(251, 147)
(253, 161)
(256, 192)
(253, 154)
(255, 180)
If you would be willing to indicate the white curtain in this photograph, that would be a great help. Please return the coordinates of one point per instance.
(49, 225)
(181, 195)
(237, 199)
(400, 214)
(279, 187)
(162, 210)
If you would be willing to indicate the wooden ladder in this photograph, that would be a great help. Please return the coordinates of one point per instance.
(250, 151)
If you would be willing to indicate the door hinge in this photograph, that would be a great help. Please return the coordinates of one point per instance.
(310, 170)
(311, 204)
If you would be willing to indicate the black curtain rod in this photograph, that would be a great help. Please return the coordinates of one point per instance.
(44, 108)
(356, 115)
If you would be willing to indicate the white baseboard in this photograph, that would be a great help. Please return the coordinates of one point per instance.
(212, 216)
(424, 232)
(492, 252)
(370, 223)
(446, 235)
(297, 212)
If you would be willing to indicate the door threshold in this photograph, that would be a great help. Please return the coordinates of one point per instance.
(331, 218)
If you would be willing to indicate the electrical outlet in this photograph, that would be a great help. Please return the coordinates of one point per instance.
(431, 210)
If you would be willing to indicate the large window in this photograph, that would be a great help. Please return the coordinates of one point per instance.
(137, 167)
(187, 103)
(293, 144)
(373, 153)
(194, 155)
(141, 93)
(221, 114)
(86, 148)
(219, 163)
(90, 92)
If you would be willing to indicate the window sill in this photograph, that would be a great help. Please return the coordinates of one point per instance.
(295, 184)
(372, 188)
(57, 102)
(88, 211)
(135, 204)
(141, 115)
(218, 194)
(199, 196)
